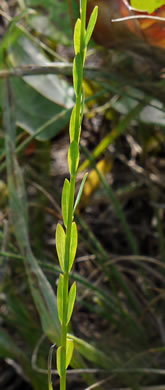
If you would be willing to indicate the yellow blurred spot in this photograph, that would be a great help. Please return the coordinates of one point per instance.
(89, 91)
(93, 181)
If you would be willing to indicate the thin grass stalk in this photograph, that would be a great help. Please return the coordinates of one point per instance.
(105, 257)
(121, 215)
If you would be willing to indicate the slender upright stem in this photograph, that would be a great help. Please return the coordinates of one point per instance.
(64, 328)
(68, 236)
(71, 205)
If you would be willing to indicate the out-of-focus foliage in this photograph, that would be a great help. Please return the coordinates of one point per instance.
(144, 30)
(147, 5)
(58, 13)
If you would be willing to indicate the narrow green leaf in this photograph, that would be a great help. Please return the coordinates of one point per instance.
(69, 351)
(80, 192)
(73, 245)
(79, 69)
(60, 297)
(8, 347)
(72, 124)
(73, 157)
(50, 386)
(9, 350)
(40, 287)
(65, 200)
(114, 134)
(77, 36)
(75, 76)
(60, 361)
(17, 18)
(71, 301)
(77, 73)
(91, 25)
(91, 353)
(60, 244)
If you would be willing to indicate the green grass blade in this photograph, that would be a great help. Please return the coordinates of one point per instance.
(80, 192)
(91, 353)
(91, 25)
(40, 288)
(119, 212)
(113, 135)
(50, 386)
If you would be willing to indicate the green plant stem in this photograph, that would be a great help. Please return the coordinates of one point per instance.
(77, 120)
(69, 222)
(71, 206)
(82, 50)
(66, 263)
(66, 279)
(64, 328)
(83, 24)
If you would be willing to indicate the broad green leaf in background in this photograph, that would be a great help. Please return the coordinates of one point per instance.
(36, 113)
(58, 14)
(45, 27)
(149, 114)
(45, 96)
(24, 52)
(11, 35)
(147, 5)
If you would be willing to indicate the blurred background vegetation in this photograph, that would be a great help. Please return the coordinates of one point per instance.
(118, 320)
